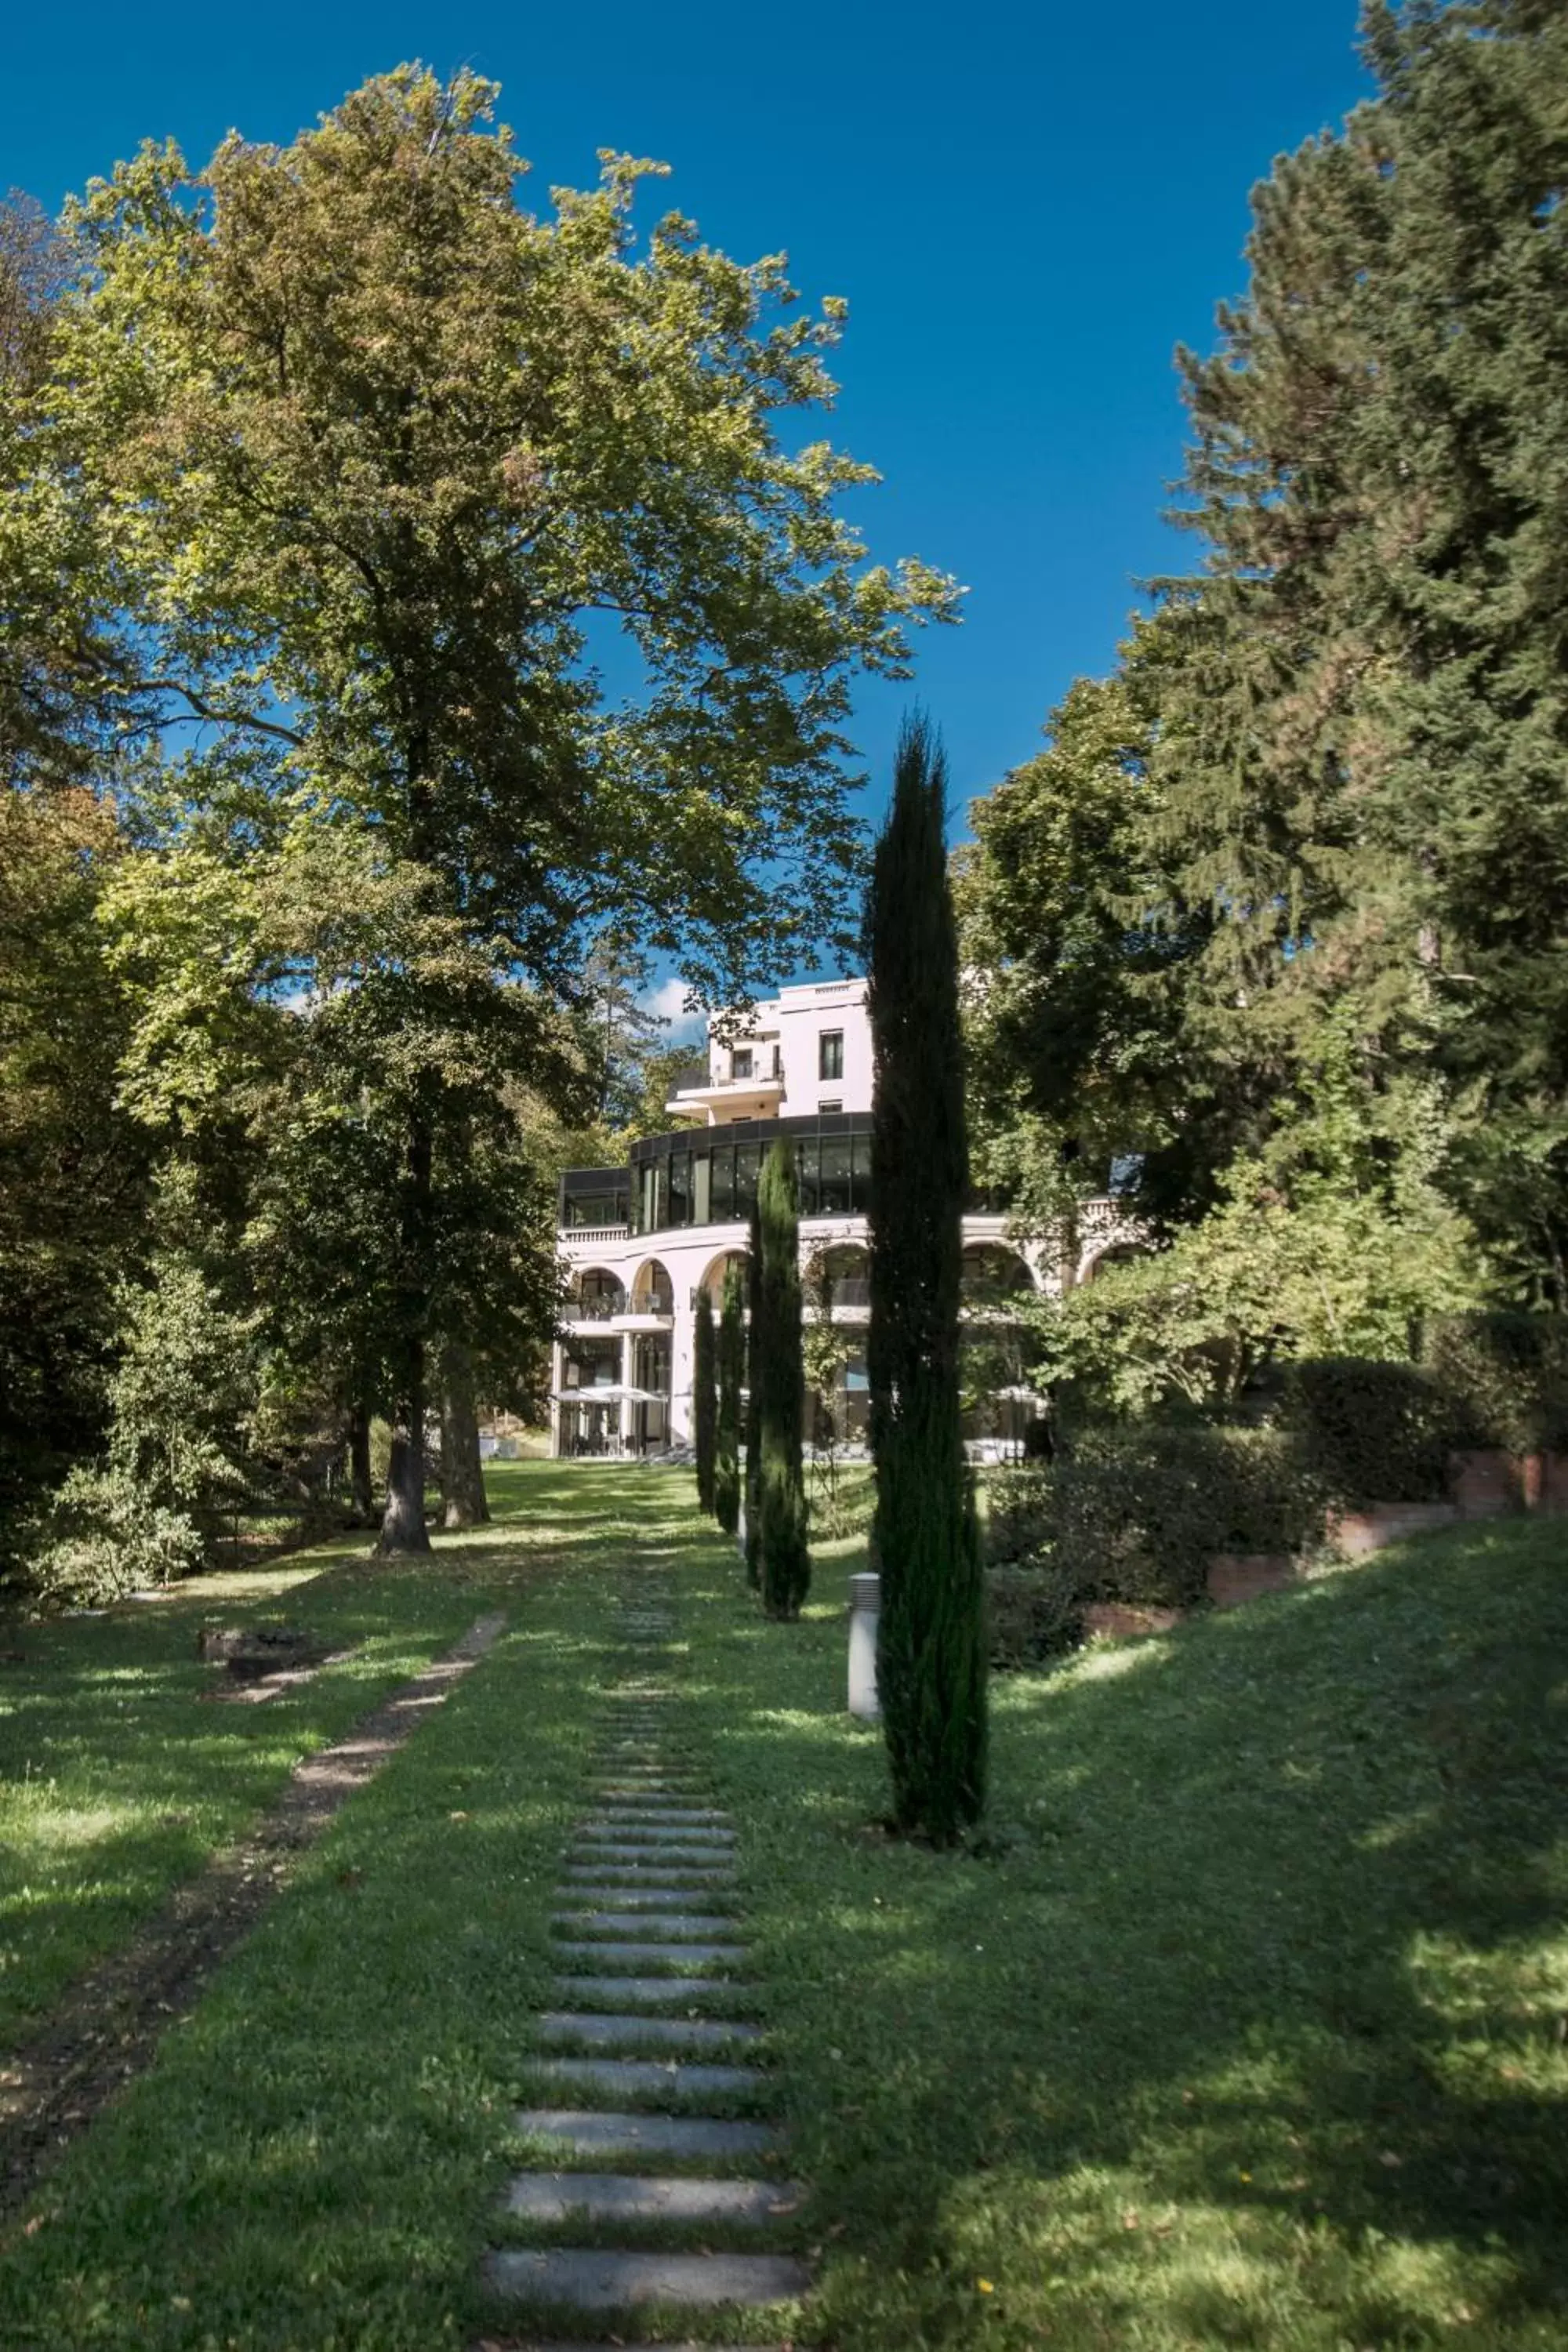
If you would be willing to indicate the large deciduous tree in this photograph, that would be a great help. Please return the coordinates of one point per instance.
(931, 1658)
(779, 1376)
(381, 460)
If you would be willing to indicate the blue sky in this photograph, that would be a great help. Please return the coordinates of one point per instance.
(1026, 206)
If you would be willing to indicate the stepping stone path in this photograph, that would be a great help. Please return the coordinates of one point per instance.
(648, 2033)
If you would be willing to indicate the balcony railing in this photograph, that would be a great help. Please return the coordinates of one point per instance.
(852, 1291)
(651, 1302)
(596, 1309)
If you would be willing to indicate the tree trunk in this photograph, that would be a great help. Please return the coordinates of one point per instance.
(361, 1493)
(402, 1528)
(462, 1476)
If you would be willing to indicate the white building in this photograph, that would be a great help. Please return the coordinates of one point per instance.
(640, 1242)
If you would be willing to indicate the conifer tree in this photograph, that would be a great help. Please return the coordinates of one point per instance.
(931, 1654)
(754, 1343)
(704, 1402)
(779, 1377)
(731, 1357)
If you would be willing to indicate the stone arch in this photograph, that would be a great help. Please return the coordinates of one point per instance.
(714, 1274)
(991, 1273)
(653, 1293)
(1100, 1261)
(597, 1293)
(848, 1268)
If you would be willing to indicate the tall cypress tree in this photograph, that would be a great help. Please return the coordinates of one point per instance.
(755, 1344)
(932, 1656)
(704, 1400)
(780, 1376)
(731, 1353)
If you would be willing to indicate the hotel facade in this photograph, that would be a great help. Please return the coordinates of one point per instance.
(640, 1243)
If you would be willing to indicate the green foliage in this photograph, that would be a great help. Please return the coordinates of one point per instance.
(732, 1365)
(1314, 831)
(784, 1557)
(103, 1536)
(755, 1376)
(1290, 1871)
(367, 448)
(72, 1166)
(704, 1402)
(1034, 1613)
(931, 1644)
(1369, 1432)
(1073, 1045)
(1506, 1376)
(1136, 1513)
(1333, 1240)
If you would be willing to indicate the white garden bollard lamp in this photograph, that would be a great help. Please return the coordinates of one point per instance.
(865, 1609)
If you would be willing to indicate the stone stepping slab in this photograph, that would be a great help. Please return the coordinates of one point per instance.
(716, 1844)
(648, 2197)
(657, 1788)
(640, 1955)
(668, 1828)
(625, 1814)
(635, 1898)
(650, 1992)
(668, 1845)
(606, 2030)
(608, 2280)
(597, 2131)
(649, 2079)
(627, 1861)
(698, 1926)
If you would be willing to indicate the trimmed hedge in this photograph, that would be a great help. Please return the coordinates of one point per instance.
(1032, 1614)
(1136, 1513)
(1368, 1431)
(1507, 1376)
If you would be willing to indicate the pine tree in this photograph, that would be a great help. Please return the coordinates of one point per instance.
(753, 1484)
(931, 1657)
(731, 1356)
(704, 1402)
(780, 1378)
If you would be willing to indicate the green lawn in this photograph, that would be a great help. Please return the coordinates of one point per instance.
(118, 1776)
(1245, 2027)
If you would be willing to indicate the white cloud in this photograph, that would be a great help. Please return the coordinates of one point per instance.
(667, 1002)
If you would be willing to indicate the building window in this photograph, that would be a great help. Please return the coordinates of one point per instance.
(830, 1107)
(830, 1054)
(740, 1064)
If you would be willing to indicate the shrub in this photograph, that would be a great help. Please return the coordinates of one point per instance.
(1507, 1377)
(1136, 1513)
(1033, 1614)
(1368, 1431)
(103, 1536)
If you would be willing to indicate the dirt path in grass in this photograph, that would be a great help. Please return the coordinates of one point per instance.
(109, 2025)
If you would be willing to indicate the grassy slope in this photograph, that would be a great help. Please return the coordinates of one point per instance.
(1246, 2030)
(311, 2161)
(117, 1779)
(1248, 2026)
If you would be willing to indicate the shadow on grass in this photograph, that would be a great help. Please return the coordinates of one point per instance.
(118, 1778)
(1250, 2028)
